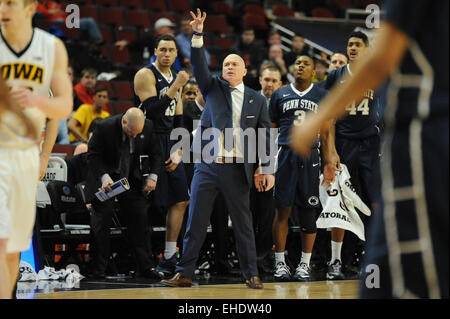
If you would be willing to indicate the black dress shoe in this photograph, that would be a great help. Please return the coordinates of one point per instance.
(177, 281)
(150, 273)
(254, 283)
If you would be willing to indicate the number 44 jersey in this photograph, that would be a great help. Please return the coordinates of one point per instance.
(363, 117)
(288, 106)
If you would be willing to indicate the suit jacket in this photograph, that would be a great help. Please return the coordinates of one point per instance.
(218, 114)
(191, 112)
(105, 152)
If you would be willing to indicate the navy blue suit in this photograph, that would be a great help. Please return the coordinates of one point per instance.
(233, 180)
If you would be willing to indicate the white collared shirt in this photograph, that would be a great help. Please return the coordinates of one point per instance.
(200, 107)
(237, 101)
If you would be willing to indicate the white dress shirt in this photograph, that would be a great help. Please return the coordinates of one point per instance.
(237, 100)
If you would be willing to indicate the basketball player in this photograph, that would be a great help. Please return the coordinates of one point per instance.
(408, 238)
(357, 143)
(297, 177)
(32, 62)
(159, 90)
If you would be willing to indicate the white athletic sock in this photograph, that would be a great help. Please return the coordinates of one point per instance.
(335, 250)
(279, 257)
(305, 258)
(171, 248)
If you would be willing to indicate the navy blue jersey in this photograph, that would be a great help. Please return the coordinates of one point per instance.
(164, 123)
(362, 118)
(289, 106)
(426, 60)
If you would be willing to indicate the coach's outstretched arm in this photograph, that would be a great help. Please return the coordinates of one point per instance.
(198, 60)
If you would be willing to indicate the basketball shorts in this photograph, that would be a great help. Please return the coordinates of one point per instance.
(408, 239)
(19, 176)
(171, 188)
(297, 179)
(362, 158)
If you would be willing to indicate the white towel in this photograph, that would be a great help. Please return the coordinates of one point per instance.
(339, 203)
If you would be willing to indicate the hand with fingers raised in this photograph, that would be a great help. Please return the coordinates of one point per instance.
(199, 19)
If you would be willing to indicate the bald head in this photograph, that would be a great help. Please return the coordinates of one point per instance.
(233, 69)
(133, 122)
(234, 57)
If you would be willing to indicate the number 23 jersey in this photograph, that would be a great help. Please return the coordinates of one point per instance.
(288, 106)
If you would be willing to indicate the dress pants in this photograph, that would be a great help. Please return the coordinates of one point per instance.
(262, 205)
(134, 206)
(208, 181)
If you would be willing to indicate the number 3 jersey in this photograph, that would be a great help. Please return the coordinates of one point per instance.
(31, 68)
(363, 117)
(288, 106)
(164, 123)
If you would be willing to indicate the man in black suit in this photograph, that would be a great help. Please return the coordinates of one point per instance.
(123, 146)
(230, 107)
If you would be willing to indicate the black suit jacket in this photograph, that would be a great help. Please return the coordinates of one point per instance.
(218, 114)
(191, 112)
(104, 153)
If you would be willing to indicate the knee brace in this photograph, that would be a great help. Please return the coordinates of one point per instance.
(308, 218)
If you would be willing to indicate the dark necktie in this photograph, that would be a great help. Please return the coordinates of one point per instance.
(125, 158)
(229, 146)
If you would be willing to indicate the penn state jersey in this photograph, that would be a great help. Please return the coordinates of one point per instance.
(362, 119)
(288, 106)
(164, 123)
(31, 68)
(422, 78)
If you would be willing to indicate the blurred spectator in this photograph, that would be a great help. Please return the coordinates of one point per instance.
(275, 56)
(79, 123)
(298, 48)
(250, 50)
(184, 41)
(321, 67)
(164, 26)
(83, 147)
(63, 133)
(142, 49)
(274, 38)
(337, 60)
(52, 11)
(85, 88)
(76, 100)
(270, 81)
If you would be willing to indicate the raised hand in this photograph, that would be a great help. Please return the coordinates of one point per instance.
(199, 19)
(182, 78)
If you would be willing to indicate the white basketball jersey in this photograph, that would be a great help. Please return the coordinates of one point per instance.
(32, 68)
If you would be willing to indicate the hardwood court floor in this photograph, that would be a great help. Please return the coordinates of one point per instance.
(346, 289)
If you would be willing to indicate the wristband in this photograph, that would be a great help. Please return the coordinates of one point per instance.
(199, 34)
